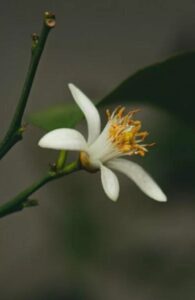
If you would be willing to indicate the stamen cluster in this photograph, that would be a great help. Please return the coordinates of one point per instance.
(125, 134)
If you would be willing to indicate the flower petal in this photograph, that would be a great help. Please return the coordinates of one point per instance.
(90, 112)
(110, 183)
(143, 180)
(63, 139)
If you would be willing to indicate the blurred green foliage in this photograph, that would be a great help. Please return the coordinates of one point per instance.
(169, 85)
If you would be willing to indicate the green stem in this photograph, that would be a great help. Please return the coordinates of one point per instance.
(18, 202)
(15, 130)
(61, 161)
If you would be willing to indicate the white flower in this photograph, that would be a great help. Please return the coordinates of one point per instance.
(103, 150)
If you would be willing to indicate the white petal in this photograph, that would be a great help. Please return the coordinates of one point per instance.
(140, 177)
(110, 183)
(90, 112)
(63, 139)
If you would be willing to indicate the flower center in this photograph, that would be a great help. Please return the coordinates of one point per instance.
(85, 162)
(125, 133)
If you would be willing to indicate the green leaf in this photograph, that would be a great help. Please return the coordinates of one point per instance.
(60, 116)
(169, 85)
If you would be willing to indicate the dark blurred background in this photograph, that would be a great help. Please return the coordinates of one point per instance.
(78, 245)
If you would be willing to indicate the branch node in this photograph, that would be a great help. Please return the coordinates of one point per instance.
(50, 20)
(30, 203)
(35, 40)
(52, 167)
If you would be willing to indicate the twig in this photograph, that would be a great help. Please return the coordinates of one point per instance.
(22, 199)
(15, 130)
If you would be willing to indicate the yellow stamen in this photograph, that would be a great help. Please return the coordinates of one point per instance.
(124, 131)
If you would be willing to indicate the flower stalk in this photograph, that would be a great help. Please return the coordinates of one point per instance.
(61, 161)
(15, 130)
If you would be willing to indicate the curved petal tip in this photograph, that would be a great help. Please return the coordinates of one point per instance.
(161, 197)
(110, 183)
(89, 110)
(143, 180)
